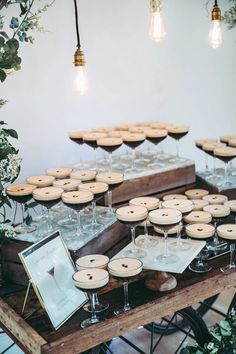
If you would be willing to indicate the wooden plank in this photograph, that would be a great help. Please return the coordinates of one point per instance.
(20, 330)
(230, 193)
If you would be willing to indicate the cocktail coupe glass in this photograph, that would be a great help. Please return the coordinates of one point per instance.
(199, 144)
(21, 194)
(166, 219)
(98, 189)
(123, 269)
(91, 140)
(177, 132)
(103, 162)
(91, 281)
(225, 154)
(132, 216)
(114, 180)
(156, 136)
(219, 212)
(150, 203)
(209, 149)
(140, 158)
(89, 262)
(228, 233)
(133, 141)
(77, 137)
(109, 145)
(162, 156)
(48, 197)
(78, 200)
(67, 185)
(185, 207)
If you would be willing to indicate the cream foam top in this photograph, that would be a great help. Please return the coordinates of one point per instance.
(174, 196)
(138, 130)
(92, 261)
(227, 231)
(212, 146)
(131, 213)
(231, 204)
(77, 197)
(215, 198)
(41, 181)
(158, 125)
(200, 231)
(102, 129)
(67, 184)
(83, 175)
(196, 193)
(77, 134)
(217, 210)
(60, 172)
(144, 123)
(156, 133)
(124, 127)
(91, 278)
(200, 142)
(19, 190)
(93, 136)
(47, 193)
(184, 206)
(194, 217)
(177, 129)
(109, 141)
(116, 134)
(165, 216)
(199, 204)
(125, 267)
(133, 137)
(225, 151)
(227, 138)
(94, 187)
(150, 203)
(110, 177)
(232, 142)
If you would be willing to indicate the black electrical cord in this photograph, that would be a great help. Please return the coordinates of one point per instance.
(77, 24)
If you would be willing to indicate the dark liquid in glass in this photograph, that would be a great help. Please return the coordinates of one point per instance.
(156, 140)
(48, 203)
(133, 144)
(110, 148)
(79, 141)
(21, 198)
(177, 136)
(77, 206)
(91, 143)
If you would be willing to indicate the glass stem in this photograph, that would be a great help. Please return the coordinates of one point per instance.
(166, 246)
(48, 220)
(226, 172)
(110, 162)
(231, 262)
(156, 154)
(177, 147)
(206, 162)
(79, 222)
(109, 197)
(94, 213)
(215, 237)
(179, 239)
(133, 235)
(93, 306)
(126, 295)
(145, 229)
(80, 155)
(214, 166)
(200, 260)
(96, 159)
(23, 212)
(133, 160)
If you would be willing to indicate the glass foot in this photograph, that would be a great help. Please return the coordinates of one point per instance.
(89, 322)
(25, 229)
(216, 246)
(200, 268)
(167, 259)
(179, 246)
(123, 310)
(99, 307)
(228, 268)
(135, 253)
(67, 222)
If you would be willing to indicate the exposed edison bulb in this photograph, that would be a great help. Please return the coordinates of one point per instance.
(81, 81)
(215, 34)
(157, 29)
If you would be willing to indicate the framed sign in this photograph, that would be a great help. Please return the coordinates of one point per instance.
(50, 269)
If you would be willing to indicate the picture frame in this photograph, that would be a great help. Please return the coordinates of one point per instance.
(49, 267)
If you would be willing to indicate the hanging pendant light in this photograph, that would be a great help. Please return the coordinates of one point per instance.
(81, 81)
(157, 28)
(215, 37)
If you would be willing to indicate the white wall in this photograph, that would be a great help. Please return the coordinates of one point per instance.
(181, 80)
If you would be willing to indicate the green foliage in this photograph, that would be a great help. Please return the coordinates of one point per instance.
(223, 339)
(229, 16)
(18, 30)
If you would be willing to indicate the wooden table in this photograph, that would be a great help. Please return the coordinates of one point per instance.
(35, 334)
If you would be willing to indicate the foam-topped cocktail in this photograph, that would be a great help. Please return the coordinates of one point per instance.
(199, 143)
(109, 145)
(185, 207)
(59, 173)
(215, 199)
(166, 219)
(90, 281)
(123, 269)
(132, 216)
(156, 136)
(151, 203)
(225, 154)
(91, 140)
(22, 193)
(208, 148)
(133, 141)
(200, 232)
(48, 197)
(228, 232)
(83, 175)
(177, 132)
(196, 193)
(41, 181)
(114, 180)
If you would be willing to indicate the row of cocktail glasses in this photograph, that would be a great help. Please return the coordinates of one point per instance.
(132, 137)
(224, 150)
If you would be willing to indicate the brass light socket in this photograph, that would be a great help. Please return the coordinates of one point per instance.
(155, 5)
(79, 58)
(216, 13)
